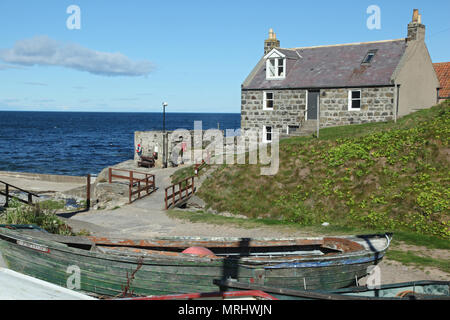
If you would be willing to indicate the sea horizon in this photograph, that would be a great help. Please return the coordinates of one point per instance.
(81, 143)
(145, 112)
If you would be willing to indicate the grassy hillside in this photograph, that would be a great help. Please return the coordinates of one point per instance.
(392, 176)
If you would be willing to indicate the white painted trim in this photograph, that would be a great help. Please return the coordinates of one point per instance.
(268, 76)
(349, 102)
(306, 106)
(265, 100)
(279, 54)
(264, 138)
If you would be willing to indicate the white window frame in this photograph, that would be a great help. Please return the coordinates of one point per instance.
(264, 139)
(265, 100)
(276, 56)
(350, 100)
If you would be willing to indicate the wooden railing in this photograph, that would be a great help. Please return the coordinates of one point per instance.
(7, 195)
(179, 192)
(135, 185)
(199, 166)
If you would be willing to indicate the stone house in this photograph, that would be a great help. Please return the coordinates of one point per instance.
(296, 90)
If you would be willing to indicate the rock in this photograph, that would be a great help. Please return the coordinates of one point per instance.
(195, 202)
(110, 195)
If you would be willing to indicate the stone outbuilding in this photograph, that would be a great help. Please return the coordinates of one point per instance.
(296, 90)
(443, 73)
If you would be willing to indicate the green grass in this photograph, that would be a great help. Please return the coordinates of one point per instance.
(44, 218)
(182, 174)
(399, 238)
(383, 176)
(410, 258)
(405, 237)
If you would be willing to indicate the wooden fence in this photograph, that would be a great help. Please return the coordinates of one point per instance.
(179, 192)
(135, 185)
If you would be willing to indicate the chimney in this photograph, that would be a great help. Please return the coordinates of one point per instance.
(416, 30)
(271, 42)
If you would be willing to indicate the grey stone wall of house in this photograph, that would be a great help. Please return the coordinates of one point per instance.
(377, 104)
(289, 109)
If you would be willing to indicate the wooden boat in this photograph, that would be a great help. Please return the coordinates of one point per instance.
(415, 290)
(219, 295)
(157, 266)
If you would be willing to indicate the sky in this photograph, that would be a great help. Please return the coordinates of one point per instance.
(131, 56)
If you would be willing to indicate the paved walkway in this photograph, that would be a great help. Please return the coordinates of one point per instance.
(144, 217)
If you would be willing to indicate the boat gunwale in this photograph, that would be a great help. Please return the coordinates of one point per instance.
(175, 257)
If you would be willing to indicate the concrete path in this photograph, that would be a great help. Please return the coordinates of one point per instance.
(143, 218)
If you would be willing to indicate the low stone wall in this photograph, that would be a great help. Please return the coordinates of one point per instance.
(45, 177)
(152, 141)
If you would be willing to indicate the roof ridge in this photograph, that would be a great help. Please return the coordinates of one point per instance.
(344, 44)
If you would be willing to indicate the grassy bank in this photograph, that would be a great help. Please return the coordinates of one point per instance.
(41, 214)
(397, 252)
(382, 176)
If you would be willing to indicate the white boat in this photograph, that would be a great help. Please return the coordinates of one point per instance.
(17, 286)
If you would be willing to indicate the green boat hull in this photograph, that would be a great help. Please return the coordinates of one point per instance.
(110, 272)
(414, 290)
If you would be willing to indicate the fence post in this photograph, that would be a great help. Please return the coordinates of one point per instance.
(7, 195)
(130, 188)
(30, 199)
(110, 173)
(192, 185)
(173, 195)
(165, 199)
(88, 192)
(139, 189)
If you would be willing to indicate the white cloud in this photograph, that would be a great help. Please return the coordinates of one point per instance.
(9, 66)
(41, 50)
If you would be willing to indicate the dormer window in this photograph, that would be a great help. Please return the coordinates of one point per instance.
(275, 65)
(369, 57)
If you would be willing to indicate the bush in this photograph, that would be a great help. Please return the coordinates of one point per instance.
(46, 219)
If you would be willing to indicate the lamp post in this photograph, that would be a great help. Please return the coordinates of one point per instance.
(164, 134)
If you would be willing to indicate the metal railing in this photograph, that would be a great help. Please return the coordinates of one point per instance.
(8, 195)
(135, 185)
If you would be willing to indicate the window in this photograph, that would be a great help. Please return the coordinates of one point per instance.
(268, 101)
(354, 100)
(267, 134)
(275, 68)
(369, 57)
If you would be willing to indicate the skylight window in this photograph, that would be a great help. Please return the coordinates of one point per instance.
(369, 57)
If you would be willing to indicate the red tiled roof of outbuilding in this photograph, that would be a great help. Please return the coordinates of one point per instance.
(443, 73)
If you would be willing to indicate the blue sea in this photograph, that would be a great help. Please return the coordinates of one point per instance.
(81, 143)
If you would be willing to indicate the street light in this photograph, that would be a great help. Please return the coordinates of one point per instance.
(164, 134)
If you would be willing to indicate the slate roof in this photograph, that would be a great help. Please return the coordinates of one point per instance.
(443, 73)
(333, 66)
